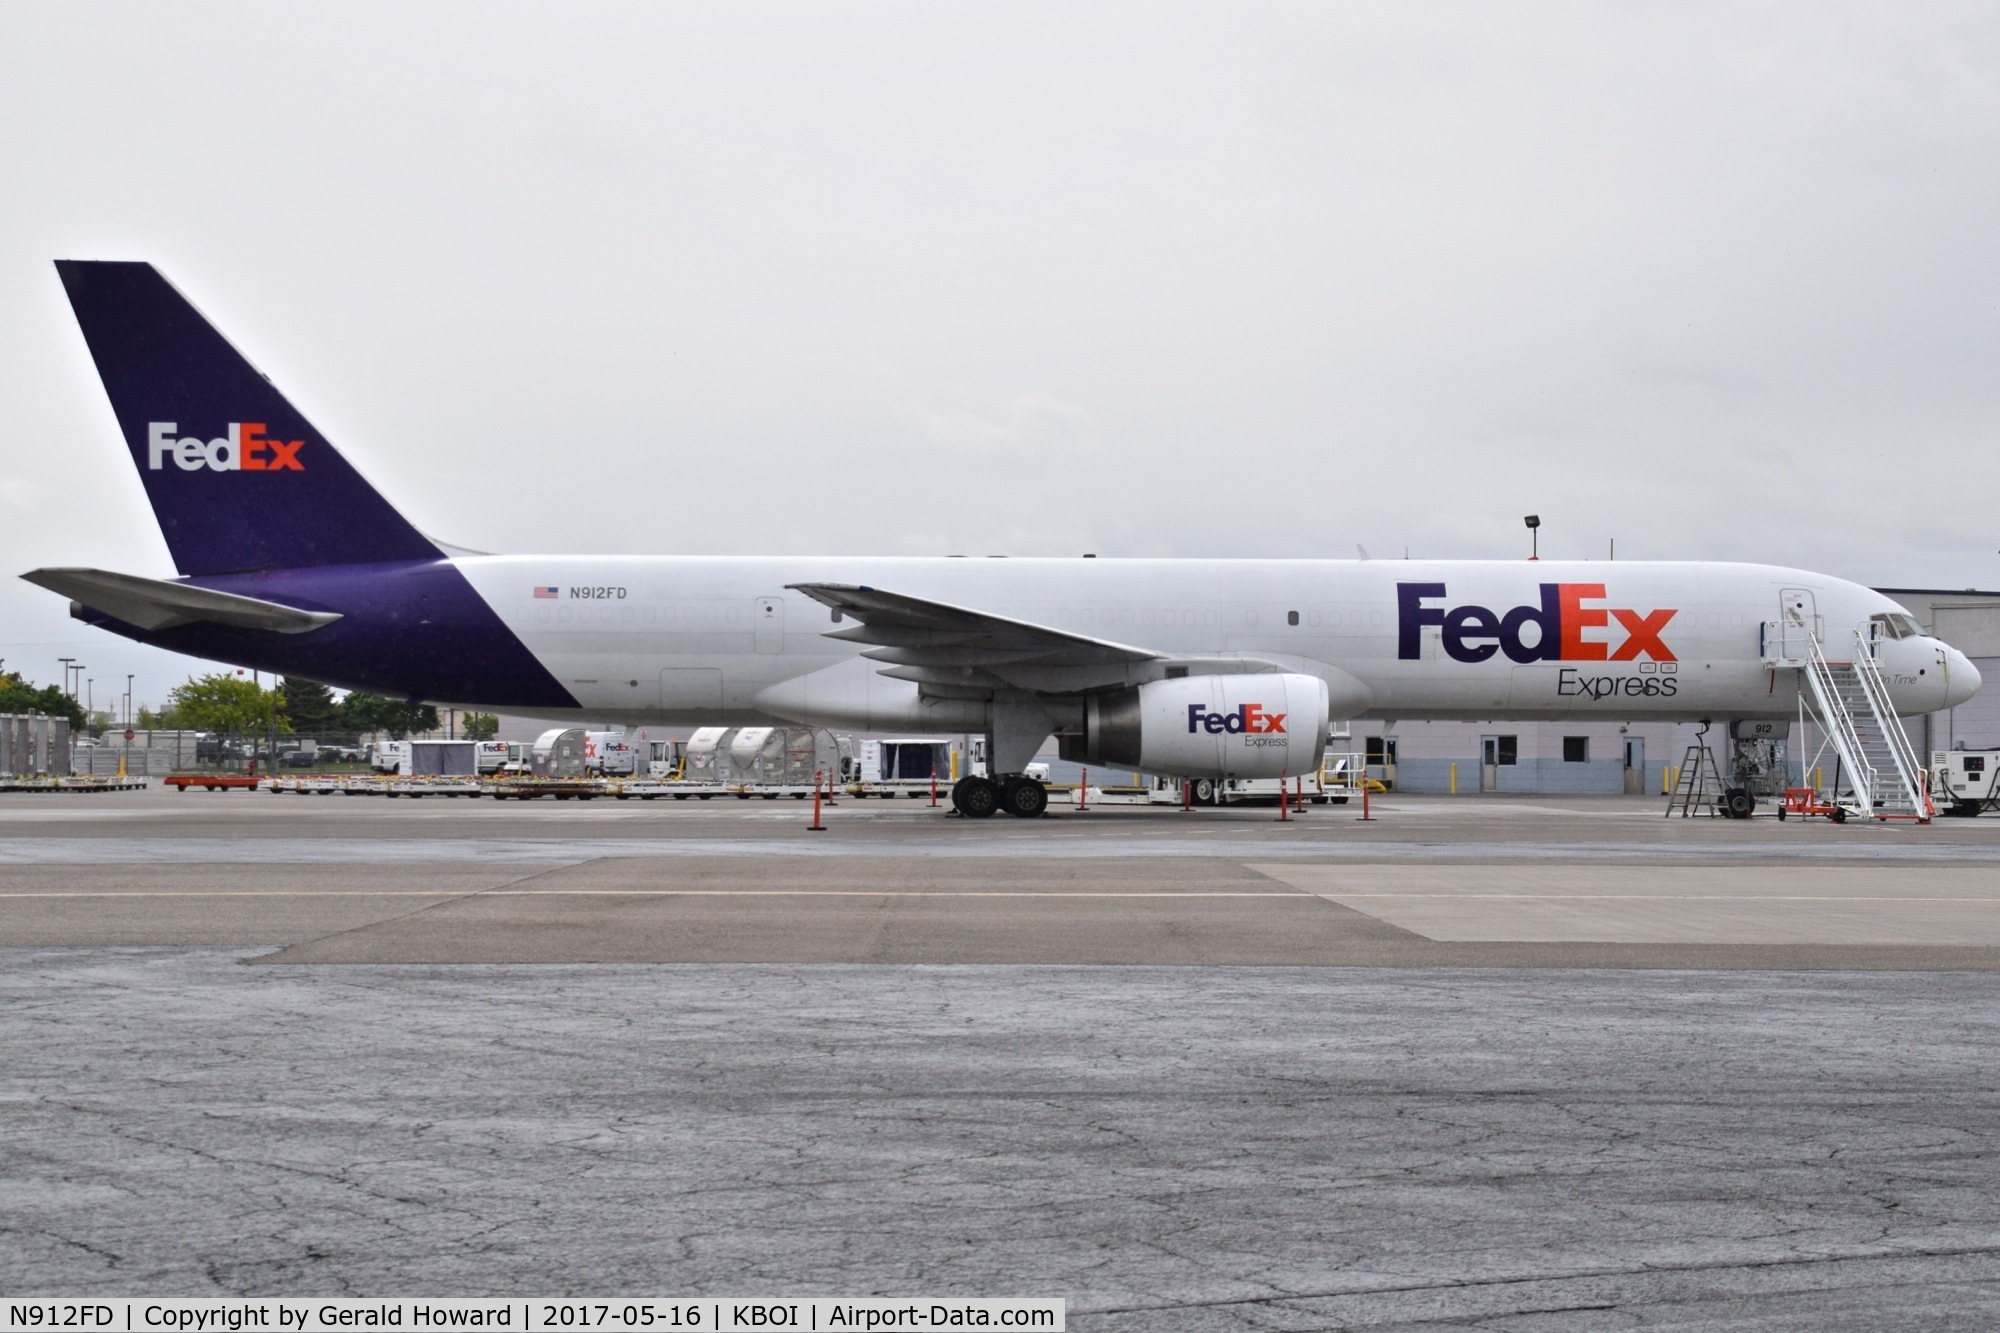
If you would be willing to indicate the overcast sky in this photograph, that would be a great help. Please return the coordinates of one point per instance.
(1720, 282)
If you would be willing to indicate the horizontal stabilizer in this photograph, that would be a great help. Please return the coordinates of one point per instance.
(161, 604)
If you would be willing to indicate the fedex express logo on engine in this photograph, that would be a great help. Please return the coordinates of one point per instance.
(243, 448)
(1247, 720)
(1567, 628)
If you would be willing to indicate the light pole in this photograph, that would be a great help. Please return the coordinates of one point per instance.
(128, 702)
(65, 661)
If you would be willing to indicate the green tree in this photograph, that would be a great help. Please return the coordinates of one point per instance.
(167, 719)
(310, 705)
(226, 703)
(17, 696)
(479, 726)
(398, 717)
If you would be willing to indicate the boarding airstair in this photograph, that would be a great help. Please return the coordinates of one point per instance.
(1876, 774)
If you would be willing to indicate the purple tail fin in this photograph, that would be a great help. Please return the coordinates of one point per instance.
(238, 478)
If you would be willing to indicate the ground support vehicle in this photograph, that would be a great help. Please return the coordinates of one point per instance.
(1968, 779)
(213, 781)
(323, 785)
(460, 785)
(1086, 797)
(1334, 783)
(533, 789)
(75, 784)
(1805, 802)
(652, 789)
(888, 789)
(771, 791)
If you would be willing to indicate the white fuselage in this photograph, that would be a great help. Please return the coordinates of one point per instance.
(690, 639)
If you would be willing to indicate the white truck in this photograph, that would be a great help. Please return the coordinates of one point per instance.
(608, 754)
(411, 759)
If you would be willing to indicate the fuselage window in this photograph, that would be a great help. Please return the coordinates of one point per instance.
(1291, 617)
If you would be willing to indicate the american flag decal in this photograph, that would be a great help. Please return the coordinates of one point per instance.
(544, 592)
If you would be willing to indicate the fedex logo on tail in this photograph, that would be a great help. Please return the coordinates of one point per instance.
(1248, 719)
(1564, 627)
(242, 449)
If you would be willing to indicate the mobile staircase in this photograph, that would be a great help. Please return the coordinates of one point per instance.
(1877, 775)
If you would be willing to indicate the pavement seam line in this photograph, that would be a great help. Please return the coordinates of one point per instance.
(414, 912)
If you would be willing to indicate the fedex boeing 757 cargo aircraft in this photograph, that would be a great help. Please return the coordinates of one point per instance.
(290, 562)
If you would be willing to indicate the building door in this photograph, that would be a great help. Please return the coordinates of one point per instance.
(1380, 758)
(770, 617)
(1489, 763)
(1635, 765)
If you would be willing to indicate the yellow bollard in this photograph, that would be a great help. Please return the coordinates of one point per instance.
(1454, 779)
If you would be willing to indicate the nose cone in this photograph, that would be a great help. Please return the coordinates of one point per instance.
(1961, 678)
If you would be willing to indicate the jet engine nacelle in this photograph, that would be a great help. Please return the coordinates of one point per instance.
(1257, 726)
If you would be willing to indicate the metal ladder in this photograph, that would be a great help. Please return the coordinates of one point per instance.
(1698, 785)
(1850, 703)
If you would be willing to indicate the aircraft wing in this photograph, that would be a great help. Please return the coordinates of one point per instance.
(950, 649)
(161, 604)
(911, 631)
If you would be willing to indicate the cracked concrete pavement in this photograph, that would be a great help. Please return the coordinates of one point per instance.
(1521, 1065)
(1179, 1148)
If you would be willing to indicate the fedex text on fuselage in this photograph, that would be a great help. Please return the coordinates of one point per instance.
(1563, 623)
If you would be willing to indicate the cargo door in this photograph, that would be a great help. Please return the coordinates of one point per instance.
(696, 690)
(770, 620)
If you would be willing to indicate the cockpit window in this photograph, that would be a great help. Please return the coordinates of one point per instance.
(1896, 625)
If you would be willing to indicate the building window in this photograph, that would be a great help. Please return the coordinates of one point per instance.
(1381, 750)
(1576, 749)
(1498, 751)
(1291, 617)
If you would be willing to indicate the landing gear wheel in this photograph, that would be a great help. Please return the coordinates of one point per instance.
(1024, 798)
(1737, 803)
(975, 798)
(1204, 791)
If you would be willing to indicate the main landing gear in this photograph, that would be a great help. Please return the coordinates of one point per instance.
(978, 798)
